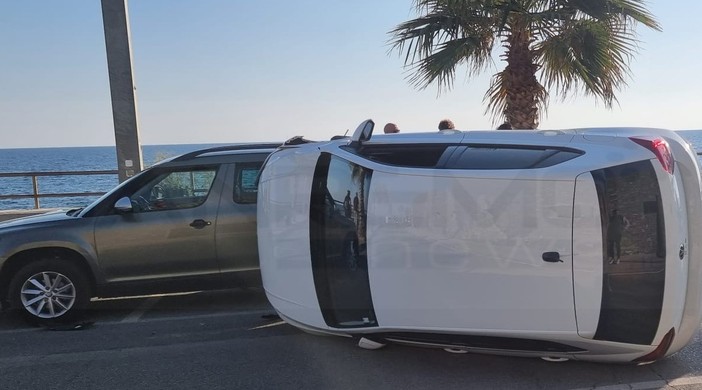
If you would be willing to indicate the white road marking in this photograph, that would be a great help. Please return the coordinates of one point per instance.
(144, 296)
(659, 384)
(268, 325)
(141, 310)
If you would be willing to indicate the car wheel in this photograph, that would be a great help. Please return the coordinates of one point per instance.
(49, 290)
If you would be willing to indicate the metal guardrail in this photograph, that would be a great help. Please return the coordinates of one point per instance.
(36, 195)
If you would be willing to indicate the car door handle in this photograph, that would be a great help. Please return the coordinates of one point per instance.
(200, 223)
(551, 257)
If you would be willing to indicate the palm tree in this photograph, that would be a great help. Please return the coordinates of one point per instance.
(549, 45)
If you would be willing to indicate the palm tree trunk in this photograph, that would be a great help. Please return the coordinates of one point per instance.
(524, 91)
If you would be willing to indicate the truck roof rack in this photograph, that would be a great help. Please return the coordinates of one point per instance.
(227, 148)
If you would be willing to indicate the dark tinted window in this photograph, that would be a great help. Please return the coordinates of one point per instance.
(246, 182)
(338, 215)
(634, 252)
(501, 157)
(415, 156)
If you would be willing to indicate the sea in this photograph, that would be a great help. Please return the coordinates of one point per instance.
(90, 158)
(98, 158)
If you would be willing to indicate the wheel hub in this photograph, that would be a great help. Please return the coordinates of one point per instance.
(48, 294)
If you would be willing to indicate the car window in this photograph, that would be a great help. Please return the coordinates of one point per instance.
(406, 155)
(633, 224)
(338, 234)
(172, 190)
(508, 157)
(246, 185)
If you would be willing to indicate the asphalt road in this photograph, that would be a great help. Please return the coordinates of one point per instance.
(229, 340)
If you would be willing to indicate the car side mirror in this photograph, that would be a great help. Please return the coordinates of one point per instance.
(363, 133)
(123, 205)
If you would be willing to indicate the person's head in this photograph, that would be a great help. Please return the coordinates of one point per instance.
(391, 128)
(446, 124)
(505, 126)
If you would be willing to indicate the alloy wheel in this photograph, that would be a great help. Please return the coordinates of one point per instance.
(48, 295)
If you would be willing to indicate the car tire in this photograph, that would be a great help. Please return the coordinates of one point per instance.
(49, 290)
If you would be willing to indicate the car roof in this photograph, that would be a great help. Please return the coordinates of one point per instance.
(515, 137)
(222, 153)
(227, 150)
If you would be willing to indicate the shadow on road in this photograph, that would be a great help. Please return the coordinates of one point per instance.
(160, 306)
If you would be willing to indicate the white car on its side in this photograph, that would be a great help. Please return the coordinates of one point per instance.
(574, 244)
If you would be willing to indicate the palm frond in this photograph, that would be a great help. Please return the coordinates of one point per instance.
(596, 9)
(496, 97)
(591, 56)
(635, 10)
(450, 34)
(417, 37)
(440, 66)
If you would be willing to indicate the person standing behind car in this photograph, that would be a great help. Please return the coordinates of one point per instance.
(347, 204)
(504, 126)
(446, 124)
(616, 226)
(391, 128)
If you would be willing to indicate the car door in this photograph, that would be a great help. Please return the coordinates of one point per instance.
(170, 231)
(237, 245)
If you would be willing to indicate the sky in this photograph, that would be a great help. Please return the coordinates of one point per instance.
(229, 71)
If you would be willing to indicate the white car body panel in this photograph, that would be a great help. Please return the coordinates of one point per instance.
(587, 244)
(456, 248)
(457, 253)
(287, 219)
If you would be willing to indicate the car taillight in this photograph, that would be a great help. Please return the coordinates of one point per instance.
(660, 351)
(660, 148)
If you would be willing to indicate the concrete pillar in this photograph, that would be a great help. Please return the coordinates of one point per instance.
(115, 21)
